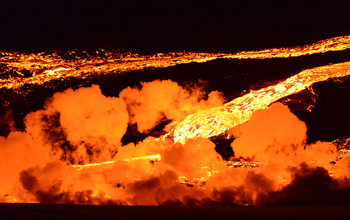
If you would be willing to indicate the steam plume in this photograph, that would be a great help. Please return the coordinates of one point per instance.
(84, 126)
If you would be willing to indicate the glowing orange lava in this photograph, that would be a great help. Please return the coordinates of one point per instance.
(40, 68)
(155, 158)
(216, 121)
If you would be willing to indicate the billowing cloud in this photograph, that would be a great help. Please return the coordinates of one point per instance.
(85, 127)
(86, 120)
(269, 132)
(159, 99)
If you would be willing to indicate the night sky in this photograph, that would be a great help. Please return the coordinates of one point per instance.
(167, 26)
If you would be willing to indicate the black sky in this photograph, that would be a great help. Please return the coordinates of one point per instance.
(163, 26)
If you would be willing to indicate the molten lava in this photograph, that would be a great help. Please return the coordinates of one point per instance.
(40, 68)
(156, 158)
(216, 121)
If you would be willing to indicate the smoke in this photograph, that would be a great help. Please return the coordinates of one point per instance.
(90, 118)
(83, 122)
(269, 132)
(165, 98)
(186, 159)
(19, 151)
(84, 126)
(309, 186)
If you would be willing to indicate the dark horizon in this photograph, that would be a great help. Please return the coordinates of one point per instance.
(158, 26)
(64, 211)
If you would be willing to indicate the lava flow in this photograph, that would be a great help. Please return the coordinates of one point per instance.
(71, 150)
(19, 69)
(217, 120)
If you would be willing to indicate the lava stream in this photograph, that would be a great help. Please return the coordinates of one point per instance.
(155, 158)
(216, 121)
(41, 68)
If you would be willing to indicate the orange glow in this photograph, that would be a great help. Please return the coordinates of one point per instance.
(71, 150)
(48, 67)
(155, 158)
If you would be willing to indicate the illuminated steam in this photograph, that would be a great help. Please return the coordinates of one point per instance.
(269, 132)
(165, 98)
(36, 168)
